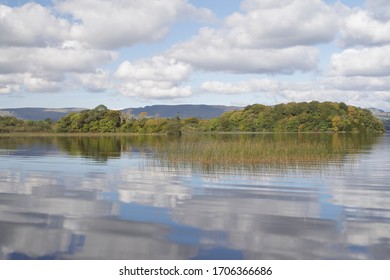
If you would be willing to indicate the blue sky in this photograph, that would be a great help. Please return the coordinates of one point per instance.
(130, 53)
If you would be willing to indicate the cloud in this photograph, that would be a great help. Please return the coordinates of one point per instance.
(31, 25)
(111, 24)
(65, 46)
(7, 88)
(361, 72)
(359, 83)
(292, 91)
(9, 84)
(37, 84)
(158, 77)
(278, 37)
(43, 69)
(252, 86)
(12, 83)
(362, 28)
(379, 8)
(361, 62)
(210, 52)
(93, 82)
(279, 24)
(157, 68)
(360, 91)
(37, 52)
(266, 37)
(106, 24)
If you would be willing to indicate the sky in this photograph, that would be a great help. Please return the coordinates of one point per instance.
(133, 53)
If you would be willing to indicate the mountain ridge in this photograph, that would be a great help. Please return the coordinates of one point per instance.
(202, 111)
(383, 116)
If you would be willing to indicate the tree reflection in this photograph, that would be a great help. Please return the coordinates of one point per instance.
(207, 151)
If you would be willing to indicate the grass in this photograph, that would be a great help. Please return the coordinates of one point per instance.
(252, 151)
(207, 150)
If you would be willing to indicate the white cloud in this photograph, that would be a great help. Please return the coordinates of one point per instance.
(37, 51)
(379, 8)
(120, 23)
(8, 79)
(153, 90)
(360, 91)
(66, 46)
(359, 83)
(97, 23)
(252, 86)
(49, 48)
(36, 84)
(11, 83)
(278, 24)
(157, 68)
(158, 77)
(361, 73)
(267, 37)
(73, 60)
(7, 88)
(290, 91)
(361, 62)
(31, 25)
(362, 28)
(94, 82)
(210, 51)
(44, 69)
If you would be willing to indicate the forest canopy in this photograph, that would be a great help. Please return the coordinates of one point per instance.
(291, 117)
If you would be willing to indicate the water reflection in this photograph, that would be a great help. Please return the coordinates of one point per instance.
(57, 200)
(102, 148)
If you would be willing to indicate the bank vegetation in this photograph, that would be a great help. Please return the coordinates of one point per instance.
(291, 117)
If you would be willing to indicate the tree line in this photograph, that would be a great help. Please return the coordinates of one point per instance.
(291, 117)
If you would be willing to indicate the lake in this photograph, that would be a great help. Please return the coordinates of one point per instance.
(125, 197)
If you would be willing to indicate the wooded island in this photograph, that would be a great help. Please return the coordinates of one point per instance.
(291, 117)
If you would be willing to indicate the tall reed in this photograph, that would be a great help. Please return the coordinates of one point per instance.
(251, 151)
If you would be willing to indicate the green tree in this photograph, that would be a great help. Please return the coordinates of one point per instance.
(174, 127)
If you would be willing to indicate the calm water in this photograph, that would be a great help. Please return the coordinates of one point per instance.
(113, 198)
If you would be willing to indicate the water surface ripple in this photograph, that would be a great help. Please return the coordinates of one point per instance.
(116, 198)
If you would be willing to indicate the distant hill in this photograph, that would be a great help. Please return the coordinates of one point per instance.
(184, 111)
(383, 116)
(162, 111)
(36, 114)
(380, 113)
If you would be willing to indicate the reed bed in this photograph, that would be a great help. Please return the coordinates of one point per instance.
(248, 151)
